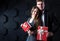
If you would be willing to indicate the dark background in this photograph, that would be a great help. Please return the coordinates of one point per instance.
(15, 12)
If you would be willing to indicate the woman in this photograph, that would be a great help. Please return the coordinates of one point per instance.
(34, 21)
(31, 25)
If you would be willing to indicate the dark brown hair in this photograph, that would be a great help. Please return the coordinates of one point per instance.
(37, 18)
(39, 0)
(39, 12)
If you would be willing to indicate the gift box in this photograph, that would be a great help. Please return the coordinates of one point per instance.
(42, 33)
(25, 26)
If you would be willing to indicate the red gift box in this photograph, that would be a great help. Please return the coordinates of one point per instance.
(42, 33)
(25, 26)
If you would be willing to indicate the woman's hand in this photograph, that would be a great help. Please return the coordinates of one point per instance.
(30, 32)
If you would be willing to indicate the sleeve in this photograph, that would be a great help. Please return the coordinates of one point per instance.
(33, 27)
(31, 23)
(27, 25)
(50, 21)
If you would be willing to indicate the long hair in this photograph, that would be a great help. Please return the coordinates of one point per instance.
(37, 18)
(39, 12)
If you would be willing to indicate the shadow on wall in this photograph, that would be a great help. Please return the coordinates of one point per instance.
(12, 14)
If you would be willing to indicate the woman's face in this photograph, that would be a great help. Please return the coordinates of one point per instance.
(34, 13)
